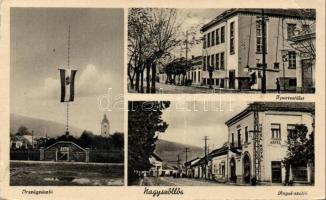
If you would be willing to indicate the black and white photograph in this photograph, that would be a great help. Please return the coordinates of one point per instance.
(236, 50)
(66, 97)
(221, 143)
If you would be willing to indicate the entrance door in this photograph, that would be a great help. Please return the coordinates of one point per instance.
(233, 177)
(232, 79)
(276, 172)
(307, 85)
(246, 169)
(63, 154)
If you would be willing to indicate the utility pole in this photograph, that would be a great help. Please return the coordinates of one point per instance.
(205, 139)
(263, 87)
(186, 151)
(178, 162)
(186, 56)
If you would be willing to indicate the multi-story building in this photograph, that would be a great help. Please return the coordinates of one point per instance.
(233, 47)
(258, 141)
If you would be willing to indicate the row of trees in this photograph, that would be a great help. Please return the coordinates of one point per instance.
(86, 140)
(92, 141)
(153, 34)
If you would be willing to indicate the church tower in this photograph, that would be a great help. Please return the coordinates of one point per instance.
(105, 127)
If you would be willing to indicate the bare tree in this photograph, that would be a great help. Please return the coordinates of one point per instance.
(152, 34)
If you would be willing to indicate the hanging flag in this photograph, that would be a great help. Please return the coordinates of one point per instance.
(67, 77)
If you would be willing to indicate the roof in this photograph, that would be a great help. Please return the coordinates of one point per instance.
(284, 13)
(218, 152)
(202, 160)
(105, 119)
(169, 167)
(190, 161)
(157, 157)
(273, 106)
(65, 142)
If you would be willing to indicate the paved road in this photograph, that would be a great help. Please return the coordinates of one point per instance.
(170, 181)
(176, 89)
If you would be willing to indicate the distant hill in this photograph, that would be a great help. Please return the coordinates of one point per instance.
(41, 127)
(169, 151)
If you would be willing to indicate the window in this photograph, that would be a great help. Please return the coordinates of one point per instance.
(305, 28)
(212, 60)
(222, 34)
(232, 139)
(204, 63)
(204, 81)
(290, 30)
(204, 42)
(259, 37)
(239, 138)
(292, 82)
(222, 83)
(198, 76)
(208, 62)
(292, 59)
(217, 81)
(246, 134)
(213, 38)
(217, 60)
(223, 169)
(232, 38)
(276, 131)
(194, 78)
(217, 36)
(222, 61)
(208, 39)
(291, 130)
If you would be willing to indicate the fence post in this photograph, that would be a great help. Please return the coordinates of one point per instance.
(41, 153)
(87, 154)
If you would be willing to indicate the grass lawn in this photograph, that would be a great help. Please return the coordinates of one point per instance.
(29, 173)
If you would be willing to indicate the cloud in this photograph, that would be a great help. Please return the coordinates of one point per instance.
(89, 82)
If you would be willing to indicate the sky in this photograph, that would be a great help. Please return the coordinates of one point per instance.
(188, 122)
(39, 47)
(195, 18)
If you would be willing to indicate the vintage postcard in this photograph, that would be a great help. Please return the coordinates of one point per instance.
(162, 99)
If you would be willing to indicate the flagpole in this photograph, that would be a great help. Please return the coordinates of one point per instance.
(68, 59)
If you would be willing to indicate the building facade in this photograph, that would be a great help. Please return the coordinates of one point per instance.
(156, 165)
(194, 73)
(258, 138)
(232, 49)
(65, 151)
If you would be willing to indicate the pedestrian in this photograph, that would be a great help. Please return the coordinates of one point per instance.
(278, 86)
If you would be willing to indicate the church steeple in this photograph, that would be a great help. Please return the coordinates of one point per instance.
(105, 126)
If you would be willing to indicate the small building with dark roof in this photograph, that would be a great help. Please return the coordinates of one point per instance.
(65, 151)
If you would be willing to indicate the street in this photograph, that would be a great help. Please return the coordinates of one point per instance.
(162, 88)
(170, 181)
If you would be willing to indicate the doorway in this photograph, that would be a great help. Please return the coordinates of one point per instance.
(63, 154)
(233, 177)
(307, 82)
(232, 79)
(246, 169)
(276, 172)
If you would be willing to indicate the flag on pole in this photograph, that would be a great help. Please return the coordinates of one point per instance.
(67, 77)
